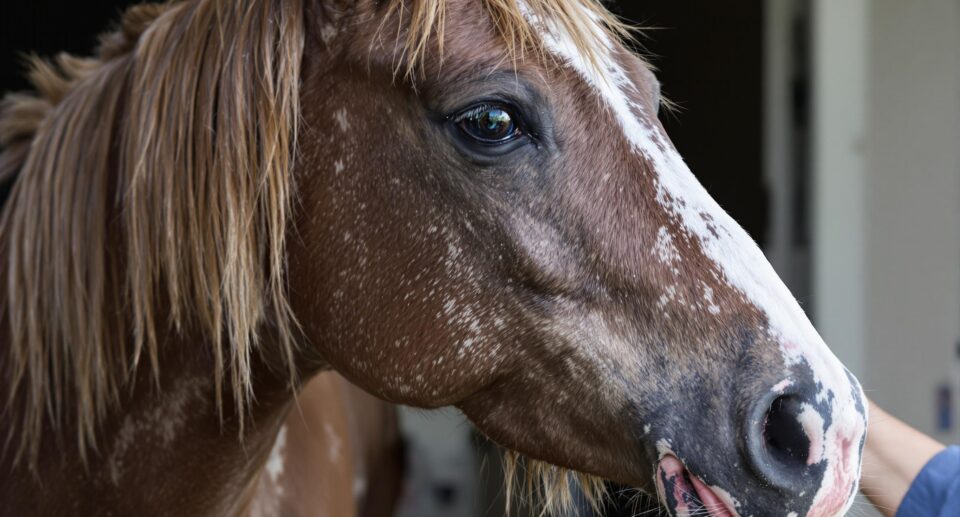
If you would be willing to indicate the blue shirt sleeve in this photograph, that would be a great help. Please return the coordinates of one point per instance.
(936, 490)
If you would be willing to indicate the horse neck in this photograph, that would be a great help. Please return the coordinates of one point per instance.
(166, 449)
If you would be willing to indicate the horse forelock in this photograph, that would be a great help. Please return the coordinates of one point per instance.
(151, 194)
(423, 23)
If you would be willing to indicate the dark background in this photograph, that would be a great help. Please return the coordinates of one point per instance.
(708, 56)
(48, 27)
(709, 60)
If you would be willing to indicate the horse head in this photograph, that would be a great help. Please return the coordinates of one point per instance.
(508, 229)
(449, 202)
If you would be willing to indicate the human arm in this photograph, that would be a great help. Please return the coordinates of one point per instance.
(893, 456)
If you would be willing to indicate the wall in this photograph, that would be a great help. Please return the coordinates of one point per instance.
(839, 42)
(913, 204)
(887, 200)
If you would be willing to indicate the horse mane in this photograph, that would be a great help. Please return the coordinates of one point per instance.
(157, 172)
(151, 190)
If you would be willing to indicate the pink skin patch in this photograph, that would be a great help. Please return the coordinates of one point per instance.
(791, 347)
(843, 478)
(782, 386)
(691, 495)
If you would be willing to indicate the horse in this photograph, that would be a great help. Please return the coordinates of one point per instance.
(464, 203)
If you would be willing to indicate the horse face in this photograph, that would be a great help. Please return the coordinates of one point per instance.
(524, 242)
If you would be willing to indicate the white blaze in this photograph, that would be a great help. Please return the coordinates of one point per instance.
(736, 255)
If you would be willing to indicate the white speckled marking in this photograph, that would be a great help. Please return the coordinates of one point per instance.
(781, 386)
(663, 447)
(163, 422)
(334, 442)
(328, 32)
(341, 117)
(664, 248)
(274, 464)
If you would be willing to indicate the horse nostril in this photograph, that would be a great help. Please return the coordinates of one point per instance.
(783, 434)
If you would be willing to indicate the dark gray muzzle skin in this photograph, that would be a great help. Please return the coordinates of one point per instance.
(732, 430)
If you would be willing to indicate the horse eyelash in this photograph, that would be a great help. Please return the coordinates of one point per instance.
(476, 110)
(519, 119)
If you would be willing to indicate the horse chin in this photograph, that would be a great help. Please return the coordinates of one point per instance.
(684, 494)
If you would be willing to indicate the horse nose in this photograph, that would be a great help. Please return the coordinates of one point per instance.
(783, 433)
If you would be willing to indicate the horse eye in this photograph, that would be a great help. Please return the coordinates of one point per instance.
(489, 124)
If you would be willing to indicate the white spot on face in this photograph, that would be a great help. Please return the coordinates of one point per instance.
(664, 248)
(669, 294)
(712, 307)
(781, 386)
(338, 166)
(449, 306)
(725, 496)
(453, 251)
(664, 448)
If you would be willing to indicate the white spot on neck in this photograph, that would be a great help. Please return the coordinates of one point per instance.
(328, 32)
(274, 464)
(359, 487)
(341, 117)
(333, 442)
(163, 422)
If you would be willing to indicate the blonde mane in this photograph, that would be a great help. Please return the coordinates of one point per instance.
(151, 194)
(580, 19)
(157, 172)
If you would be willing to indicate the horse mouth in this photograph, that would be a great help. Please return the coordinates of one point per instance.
(684, 494)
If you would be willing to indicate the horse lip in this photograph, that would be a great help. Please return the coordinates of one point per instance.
(671, 466)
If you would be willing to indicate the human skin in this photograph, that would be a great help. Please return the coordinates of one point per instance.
(893, 456)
